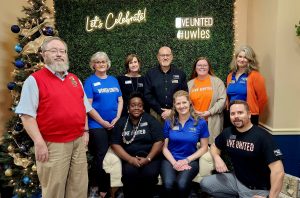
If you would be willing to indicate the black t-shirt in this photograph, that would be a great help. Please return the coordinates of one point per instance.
(149, 132)
(251, 152)
(129, 85)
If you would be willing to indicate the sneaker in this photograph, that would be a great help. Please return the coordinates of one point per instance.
(94, 193)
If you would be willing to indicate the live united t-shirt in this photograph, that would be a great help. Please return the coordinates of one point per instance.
(201, 94)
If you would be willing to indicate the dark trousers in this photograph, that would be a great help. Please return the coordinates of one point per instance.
(98, 146)
(177, 183)
(140, 182)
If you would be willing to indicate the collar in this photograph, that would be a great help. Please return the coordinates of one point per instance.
(57, 74)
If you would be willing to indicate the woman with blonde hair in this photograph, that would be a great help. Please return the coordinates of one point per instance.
(182, 131)
(208, 96)
(244, 82)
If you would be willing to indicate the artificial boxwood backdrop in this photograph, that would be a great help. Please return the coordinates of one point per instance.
(146, 37)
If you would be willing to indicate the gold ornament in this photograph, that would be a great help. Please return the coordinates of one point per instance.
(24, 162)
(33, 168)
(10, 148)
(8, 172)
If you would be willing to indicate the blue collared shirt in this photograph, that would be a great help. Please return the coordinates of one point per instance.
(183, 139)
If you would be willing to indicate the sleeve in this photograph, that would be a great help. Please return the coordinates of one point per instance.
(116, 135)
(119, 87)
(184, 85)
(29, 100)
(220, 91)
(166, 129)
(270, 150)
(86, 103)
(220, 140)
(260, 91)
(148, 94)
(88, 89)
(155, 129)
(202, 126)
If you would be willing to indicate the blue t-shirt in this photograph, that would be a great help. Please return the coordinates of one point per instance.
(237, 89)
(105, 94)
(183, 140)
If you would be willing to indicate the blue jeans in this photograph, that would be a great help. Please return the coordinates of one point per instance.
(177, 183)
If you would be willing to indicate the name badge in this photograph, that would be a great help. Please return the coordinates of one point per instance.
(175, 128)
(96, 84)
(176, 77)
(144, 124)
(174, 81)
(128, 82)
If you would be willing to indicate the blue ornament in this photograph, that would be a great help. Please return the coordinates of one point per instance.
(18, 127)
(19, 64)
(48, 31)
(15, 29)
(11, 85)
(18, 48)
(26, 180)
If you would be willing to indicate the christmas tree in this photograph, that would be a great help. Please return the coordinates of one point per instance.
(17, 160)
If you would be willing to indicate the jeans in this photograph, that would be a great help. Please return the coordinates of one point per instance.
(177, 183)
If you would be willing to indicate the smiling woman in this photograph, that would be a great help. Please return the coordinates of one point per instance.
(137, 139)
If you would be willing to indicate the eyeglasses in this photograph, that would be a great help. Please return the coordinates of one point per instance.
(56, 51)
(202, 66)
(165, 55)
(99, 62)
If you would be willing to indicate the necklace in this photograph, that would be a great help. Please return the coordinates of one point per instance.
(134, 130)
(137, 84)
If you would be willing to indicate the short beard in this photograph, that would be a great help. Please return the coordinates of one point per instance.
(59, 67)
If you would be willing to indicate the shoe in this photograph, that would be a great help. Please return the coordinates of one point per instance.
(94, 193)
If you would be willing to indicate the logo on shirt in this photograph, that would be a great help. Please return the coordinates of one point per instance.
(73, 81)
(277, 152)
(192, 129)
(174, 81)
(108, 90)
(127, 82)
(140, 85)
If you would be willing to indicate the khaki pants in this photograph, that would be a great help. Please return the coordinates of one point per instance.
(64, 175)
(157, 116)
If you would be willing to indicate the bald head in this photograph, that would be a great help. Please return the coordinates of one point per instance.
(165, 57)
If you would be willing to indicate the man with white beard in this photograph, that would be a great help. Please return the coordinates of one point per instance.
(258, 170)
(53, 110)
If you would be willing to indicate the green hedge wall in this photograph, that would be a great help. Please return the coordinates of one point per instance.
(145, 38)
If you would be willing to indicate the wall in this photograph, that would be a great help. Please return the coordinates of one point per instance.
(273, 38)
(9, 12)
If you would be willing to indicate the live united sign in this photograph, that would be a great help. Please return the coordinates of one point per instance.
(111, 21)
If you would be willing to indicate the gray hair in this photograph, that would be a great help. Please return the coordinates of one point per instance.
(97, 56)
(52, 38)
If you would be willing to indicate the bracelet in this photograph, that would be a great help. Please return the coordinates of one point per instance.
(149, 159)
(188, 161)
(86, 130)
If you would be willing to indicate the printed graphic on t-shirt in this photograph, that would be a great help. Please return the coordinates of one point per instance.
(237, 144)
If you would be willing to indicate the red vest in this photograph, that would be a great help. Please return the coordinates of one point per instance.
(61, 111)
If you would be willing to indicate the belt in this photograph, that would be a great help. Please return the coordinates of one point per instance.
(257, 188)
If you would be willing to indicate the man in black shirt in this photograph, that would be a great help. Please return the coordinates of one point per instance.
(161, 82)
(258, 170)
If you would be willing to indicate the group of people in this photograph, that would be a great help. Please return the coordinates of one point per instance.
(157, 124)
